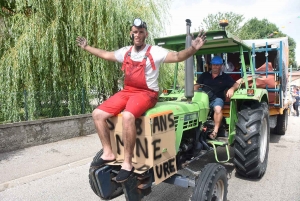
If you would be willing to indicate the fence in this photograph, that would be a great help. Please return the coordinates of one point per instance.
(34, 105)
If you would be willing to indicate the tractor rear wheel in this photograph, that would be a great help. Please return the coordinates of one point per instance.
(252, 141)
(212, 184)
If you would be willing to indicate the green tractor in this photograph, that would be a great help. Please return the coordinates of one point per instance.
(173, 134)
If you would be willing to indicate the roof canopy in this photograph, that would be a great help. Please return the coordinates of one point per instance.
(269, 41)
(217, 42)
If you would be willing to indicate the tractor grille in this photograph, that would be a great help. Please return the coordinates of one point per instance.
(190, 124)
(176, 122)
(186, 124)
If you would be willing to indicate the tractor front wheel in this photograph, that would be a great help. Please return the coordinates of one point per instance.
(212, 184)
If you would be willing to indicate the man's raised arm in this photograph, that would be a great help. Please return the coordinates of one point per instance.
(103, 54)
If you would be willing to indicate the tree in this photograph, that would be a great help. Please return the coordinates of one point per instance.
(39, 54)
(252, 29)
(292, 52)
(258, 29)
(211, 22)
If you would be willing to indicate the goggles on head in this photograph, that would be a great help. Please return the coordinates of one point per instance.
(139, 23)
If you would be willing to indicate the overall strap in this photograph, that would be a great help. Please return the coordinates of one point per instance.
(126, 58)
(148, 55)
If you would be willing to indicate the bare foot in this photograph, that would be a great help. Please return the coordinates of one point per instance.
(108, 156)
(127, 166)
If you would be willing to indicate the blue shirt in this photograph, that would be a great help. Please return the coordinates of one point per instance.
(216, 86)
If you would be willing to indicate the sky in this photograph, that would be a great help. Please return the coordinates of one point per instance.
(284, 13)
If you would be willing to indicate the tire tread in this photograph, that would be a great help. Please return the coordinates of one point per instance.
(247, 145)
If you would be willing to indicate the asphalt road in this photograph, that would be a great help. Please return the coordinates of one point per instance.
(58, 171)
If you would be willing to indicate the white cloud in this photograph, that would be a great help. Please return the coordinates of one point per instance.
(285, 14)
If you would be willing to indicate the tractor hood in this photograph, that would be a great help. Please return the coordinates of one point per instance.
(180, 107)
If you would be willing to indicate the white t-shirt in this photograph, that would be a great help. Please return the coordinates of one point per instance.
(159, 55)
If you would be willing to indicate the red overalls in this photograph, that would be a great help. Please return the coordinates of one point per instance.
(136, 97)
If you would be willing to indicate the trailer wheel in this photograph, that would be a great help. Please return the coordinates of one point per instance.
(282, 122)
(118, 190)
(252, 141)
(212, 184)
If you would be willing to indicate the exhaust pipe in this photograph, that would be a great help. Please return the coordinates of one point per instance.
(189, 63)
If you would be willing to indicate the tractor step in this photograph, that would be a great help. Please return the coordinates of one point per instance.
(220, 142)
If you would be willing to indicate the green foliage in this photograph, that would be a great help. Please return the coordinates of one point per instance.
(39, 54)
(252, 29)
(257, 29)
(166, 75)
(292, 51)
(211, 22)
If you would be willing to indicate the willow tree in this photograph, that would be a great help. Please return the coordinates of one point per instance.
(39, 54)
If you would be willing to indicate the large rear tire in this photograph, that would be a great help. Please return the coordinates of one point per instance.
(282, 122)
(252, 141)
(116, 191)
(212, 184)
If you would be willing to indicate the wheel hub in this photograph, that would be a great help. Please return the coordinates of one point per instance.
(263, 141)
(218, 192)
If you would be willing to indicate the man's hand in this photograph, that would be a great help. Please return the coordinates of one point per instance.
(198, 42)
(235, 86)
(230, 92)
(81, 42)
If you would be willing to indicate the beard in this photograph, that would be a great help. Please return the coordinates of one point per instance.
(215, 71)
(139, 45)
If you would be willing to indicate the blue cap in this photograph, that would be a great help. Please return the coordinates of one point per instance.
(217, 60)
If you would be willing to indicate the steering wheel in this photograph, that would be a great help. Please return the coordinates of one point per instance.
(211, 91)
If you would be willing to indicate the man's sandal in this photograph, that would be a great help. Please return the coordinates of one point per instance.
(213, 135)
(124, 175)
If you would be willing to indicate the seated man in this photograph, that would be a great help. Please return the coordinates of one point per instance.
(141, 64)
(216, 82)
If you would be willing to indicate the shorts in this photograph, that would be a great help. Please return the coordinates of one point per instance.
(133, 100)
(216, 102)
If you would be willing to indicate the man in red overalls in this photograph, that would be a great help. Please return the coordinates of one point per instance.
(141, 63)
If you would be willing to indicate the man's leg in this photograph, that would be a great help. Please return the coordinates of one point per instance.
(218, 116)
(136, 106)
(217, 105)
(112, 106)
(100, 118)
(129, 137)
